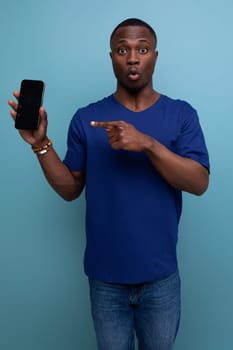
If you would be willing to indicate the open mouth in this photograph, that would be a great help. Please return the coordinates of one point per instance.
(133, 74)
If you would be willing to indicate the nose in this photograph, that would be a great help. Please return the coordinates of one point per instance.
(132, 57)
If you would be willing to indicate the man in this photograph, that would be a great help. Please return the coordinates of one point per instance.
(135, 151)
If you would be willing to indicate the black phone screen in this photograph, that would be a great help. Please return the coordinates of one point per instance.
(30, 100)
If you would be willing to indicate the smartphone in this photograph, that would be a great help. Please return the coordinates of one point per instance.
(30, 100)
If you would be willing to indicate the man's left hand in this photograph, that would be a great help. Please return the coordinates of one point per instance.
(122, 135)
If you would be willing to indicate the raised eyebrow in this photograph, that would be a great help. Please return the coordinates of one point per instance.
(143, 41)
(120, 41)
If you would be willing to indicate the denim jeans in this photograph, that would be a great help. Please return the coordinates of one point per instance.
(151, 311)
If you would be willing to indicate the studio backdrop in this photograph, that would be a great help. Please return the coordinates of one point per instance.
(44, 301)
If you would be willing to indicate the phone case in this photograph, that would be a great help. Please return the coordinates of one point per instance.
(30, 100)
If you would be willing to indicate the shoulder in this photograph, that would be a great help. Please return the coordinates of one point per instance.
(180, 112)
(93, 111)
(93, 106)
(178, 105)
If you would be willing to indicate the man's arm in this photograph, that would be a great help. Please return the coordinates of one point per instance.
(67, 184)
(182, 173)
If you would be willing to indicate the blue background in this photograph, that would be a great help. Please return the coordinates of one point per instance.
(44, 301)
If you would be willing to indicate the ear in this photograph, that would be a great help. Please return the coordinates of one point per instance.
(110, 54)
(156, 55)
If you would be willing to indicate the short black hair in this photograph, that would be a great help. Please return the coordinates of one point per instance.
(134, 22)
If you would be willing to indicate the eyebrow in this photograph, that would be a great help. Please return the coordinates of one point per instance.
(126, 40)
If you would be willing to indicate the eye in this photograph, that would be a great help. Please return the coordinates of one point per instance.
(143, 50)
(122, 50)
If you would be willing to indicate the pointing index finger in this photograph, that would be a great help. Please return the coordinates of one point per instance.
(104, 125)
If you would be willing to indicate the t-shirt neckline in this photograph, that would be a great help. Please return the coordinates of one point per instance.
(155, 104)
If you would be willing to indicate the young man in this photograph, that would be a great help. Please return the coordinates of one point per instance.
(135, 151)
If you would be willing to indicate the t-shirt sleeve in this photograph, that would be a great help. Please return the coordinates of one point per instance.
(191, 141)
(75, 157)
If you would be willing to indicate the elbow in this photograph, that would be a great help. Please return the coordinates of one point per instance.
(203, 183)
(200, 191)
(69, 197)
(68, 194)
(202, 187)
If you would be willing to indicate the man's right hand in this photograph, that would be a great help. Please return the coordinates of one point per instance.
(36, 137)
(67, 184)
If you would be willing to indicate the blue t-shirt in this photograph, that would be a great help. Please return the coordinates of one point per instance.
(132, 213)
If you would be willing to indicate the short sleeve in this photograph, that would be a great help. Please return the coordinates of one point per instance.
(75, 157)
(191, 141)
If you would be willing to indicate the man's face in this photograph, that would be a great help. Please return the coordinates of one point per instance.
(133, 57)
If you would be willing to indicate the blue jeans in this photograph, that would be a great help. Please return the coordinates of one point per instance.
(149, 310)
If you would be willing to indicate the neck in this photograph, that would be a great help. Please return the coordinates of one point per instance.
(137, 100)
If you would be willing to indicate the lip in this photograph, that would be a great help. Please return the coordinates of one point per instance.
(133, 74)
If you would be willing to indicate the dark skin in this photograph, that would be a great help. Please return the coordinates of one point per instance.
(67, 184)
(133, 55)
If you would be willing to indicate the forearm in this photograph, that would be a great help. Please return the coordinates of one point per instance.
(59, 176)
(182, 173)
(67, 184)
